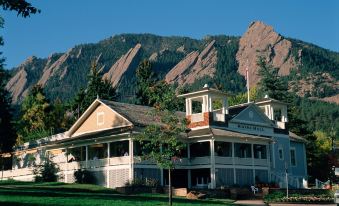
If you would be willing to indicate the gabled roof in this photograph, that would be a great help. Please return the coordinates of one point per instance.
(269, 100)
(137, 114)
(239, 111)
(295, 137)
(88, 112)
(205, 90)
(236, 109)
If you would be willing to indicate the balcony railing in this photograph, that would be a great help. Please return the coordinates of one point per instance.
(200, 160)
(223, 160)
(197, 117)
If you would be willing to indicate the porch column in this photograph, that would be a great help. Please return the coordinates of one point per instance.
(233, 162)
(268, 152)
(86, 156)
(107, 163)
(213, 185)
(66, 168)
(131, 158)
(189, 178)
(253, 170)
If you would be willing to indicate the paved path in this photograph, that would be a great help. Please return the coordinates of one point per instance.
(250, 202)
(261, 203)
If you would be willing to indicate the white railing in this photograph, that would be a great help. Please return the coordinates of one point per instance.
(260, 162)
(200, 160)
(218, 117)
(119, 160)
(243, 161)
(223, 160)
(16, 172)
(280, 125)
(197, 117)
(97, 163)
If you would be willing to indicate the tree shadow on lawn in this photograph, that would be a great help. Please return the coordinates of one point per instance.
(117, 197)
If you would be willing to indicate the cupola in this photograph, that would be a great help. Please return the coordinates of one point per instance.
(275, 110)
(206, 107)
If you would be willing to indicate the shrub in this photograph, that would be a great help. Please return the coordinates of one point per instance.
(143, 182)
(47, 172)
(84, 177)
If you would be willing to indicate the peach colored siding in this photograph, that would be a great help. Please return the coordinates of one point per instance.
(110, 120)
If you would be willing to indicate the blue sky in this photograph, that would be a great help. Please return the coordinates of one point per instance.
(64, 23)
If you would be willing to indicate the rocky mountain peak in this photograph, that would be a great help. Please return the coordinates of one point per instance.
(261, 40)
(194, 66)
(119, 68)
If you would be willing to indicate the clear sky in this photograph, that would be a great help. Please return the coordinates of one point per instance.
(63, 24)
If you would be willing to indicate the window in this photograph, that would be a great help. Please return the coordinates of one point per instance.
(277, 115)
(100, 118)
(281, 153)
(293, 157)
(200, 149)
(243, 150)
(223, 149)
(259, 151)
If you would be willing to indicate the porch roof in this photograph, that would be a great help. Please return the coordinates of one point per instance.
(224, 133)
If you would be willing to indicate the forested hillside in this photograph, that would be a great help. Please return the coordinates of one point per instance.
(311, 72)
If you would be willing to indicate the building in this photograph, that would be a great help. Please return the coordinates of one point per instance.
(238, 145)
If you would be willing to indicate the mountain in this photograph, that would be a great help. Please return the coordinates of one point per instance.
(311, 71)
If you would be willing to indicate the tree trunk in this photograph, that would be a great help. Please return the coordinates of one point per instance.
(169, 188)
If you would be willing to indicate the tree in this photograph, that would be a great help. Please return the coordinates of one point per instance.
(96, 87)
(161, 142)
(271, 83)
(22, 7)
(35, 116)
(145, 80)
(153, 92)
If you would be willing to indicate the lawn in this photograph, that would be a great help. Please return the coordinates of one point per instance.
(34, 194)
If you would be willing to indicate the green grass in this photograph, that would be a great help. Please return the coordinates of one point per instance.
(61, 194)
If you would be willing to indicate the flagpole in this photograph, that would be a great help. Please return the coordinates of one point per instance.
(247, 84)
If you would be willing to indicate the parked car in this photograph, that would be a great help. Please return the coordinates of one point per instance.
(336, 197)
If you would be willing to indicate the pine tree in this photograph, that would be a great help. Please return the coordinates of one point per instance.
(145, 80)
(7, 129)
(96, 87)
(271, 83)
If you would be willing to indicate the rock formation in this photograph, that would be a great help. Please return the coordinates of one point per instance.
(52, 67)
(121, 66)
(261, 40)
(17, 84)
(194, 66)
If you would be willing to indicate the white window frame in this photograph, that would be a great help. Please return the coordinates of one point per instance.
(282, 153)
(100, 115)
(295, 157)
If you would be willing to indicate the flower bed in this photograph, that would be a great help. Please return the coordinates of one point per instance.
(298, 198)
